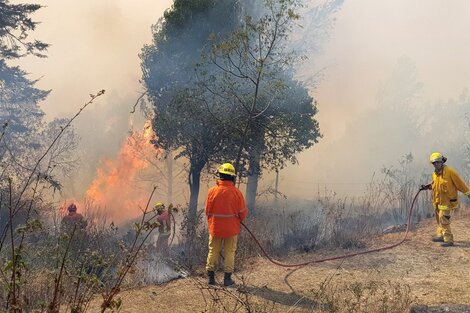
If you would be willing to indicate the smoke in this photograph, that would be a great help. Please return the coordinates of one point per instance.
(94, 46)
(393, 81)
(390, 79)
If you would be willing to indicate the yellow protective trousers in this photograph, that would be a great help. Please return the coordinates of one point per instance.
(215, 245)
(443, 225)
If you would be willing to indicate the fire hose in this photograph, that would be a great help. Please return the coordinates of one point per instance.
(340, 256)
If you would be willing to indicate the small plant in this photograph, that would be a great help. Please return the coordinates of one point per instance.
(363, 297)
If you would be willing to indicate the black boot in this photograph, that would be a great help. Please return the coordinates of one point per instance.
(211, 276)
(228, 279)
(437, 239)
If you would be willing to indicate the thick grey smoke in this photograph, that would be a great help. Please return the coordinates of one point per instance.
(393, 81)
(93, 46)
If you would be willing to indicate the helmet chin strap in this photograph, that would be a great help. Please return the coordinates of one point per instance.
(439, 170)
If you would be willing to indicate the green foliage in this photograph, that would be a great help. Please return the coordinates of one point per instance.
(181, 119)
(236, 101)
(291, 127)
(30, 227)
(17, 262)
(19, 106)
(249, 77)
(168, 64)
(19, 98)
(245, 68)
(184, 10)
(15, 23)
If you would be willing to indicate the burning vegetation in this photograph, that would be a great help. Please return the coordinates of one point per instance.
(220, 85)
(116, 188)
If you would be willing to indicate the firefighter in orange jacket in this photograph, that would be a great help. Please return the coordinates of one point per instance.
(225, 209)
(73, 221)
(446, 182)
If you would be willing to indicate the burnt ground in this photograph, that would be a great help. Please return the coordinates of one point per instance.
(418, 270)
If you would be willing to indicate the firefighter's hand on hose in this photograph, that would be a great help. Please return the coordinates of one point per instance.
(172, 208)
(425, 187)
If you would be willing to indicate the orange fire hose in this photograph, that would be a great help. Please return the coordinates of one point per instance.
(340, 256)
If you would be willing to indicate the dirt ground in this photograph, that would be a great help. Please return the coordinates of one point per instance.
(434, 275)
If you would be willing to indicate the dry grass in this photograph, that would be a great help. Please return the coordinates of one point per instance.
(389, 281)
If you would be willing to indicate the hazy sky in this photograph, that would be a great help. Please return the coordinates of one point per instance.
(368, 40)
(371, 35)
(95, 45)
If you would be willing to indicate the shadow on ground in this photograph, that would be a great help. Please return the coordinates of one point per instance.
(462, 244)
(443, 308)
(284, 298)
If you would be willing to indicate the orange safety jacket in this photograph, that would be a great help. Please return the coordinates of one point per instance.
(73, 220)
(225, 209)
(444, 188)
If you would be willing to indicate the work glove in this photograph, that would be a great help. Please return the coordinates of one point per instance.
(425, 187)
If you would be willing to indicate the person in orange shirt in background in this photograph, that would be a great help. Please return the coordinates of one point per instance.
(73, 222)
(225, 210)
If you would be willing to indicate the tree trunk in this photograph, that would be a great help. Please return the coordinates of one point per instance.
(255, 153)
(276, 188)
(169, 166)
(252, 182)
(194, 185)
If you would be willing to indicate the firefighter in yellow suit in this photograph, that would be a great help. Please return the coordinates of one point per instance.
(445, 185)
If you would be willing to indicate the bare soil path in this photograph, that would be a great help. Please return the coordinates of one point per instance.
(433, 275)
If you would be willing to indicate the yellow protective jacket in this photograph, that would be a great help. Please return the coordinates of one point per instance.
(444, 188)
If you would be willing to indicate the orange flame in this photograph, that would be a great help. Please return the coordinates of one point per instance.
(115, 188)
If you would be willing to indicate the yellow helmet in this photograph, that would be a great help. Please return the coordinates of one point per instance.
(227, 169)
(436, 156)
(159, 206)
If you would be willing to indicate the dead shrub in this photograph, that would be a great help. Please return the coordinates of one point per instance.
(364, 297)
